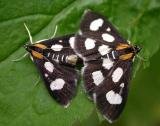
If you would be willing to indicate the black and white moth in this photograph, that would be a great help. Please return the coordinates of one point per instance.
(107, 63)
(55, 60)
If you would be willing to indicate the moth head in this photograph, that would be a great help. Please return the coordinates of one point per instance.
(36, 50)
(137, 49)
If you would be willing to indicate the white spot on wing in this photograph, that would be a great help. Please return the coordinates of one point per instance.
(122, 85)
(107, 37)
(57, 47)
(71, 42)
(113, 55)
(89, 43)
(113, 98)
(97, 77)
(60, 41)
(80, 32)
(107, 64)
(108, 29)
(48, 54)
(103, 49)
(117, 74)
(94, 97)
(49, 66)
(57, 84)
(94, 26)
(46, 75)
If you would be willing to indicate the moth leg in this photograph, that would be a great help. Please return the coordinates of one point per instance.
(141, 58)
(20, 58)
(37, 82)
(129, 35)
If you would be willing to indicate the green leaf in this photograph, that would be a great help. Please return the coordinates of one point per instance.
(22, 101)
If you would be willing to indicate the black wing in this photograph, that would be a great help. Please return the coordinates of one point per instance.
(96, 37)
(94, 72)
(95, 25)
(111, 95)
(61, 81)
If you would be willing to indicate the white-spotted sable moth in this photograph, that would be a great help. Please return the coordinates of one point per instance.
(107, 63)
(55, 60)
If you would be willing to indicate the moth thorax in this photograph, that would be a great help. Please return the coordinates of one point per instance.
(71, 59)
(126, 54)
(125, 51)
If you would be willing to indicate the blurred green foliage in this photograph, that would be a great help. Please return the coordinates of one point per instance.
(22, 103)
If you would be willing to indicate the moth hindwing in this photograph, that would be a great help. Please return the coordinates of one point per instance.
(55, 60)
(107, 63)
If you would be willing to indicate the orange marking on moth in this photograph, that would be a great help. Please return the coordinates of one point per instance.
(37, 55)
(40, 46)
(122, 46)
(126, 56)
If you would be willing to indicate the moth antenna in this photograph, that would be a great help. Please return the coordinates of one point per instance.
(141, 58)
(29, 33)
(55, 31)
(20, 58)
(38, 80)
(129, 33)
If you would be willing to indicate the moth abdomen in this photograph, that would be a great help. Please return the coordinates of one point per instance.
(63, 58)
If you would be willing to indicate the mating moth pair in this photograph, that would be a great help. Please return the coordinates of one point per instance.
(107, 59)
